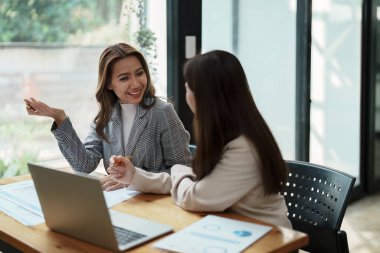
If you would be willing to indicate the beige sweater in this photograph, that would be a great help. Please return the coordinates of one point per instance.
(235, 184)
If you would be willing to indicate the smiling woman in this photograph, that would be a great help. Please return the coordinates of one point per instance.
(131, 121)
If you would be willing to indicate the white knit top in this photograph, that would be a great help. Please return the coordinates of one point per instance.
(128, 112)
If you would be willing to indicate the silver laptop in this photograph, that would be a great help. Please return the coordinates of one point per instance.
(74, 204)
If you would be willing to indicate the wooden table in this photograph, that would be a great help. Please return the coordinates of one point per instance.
(159, 208)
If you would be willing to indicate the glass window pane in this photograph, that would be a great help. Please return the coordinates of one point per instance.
(335, 85)
(50, 50)
(251, 30)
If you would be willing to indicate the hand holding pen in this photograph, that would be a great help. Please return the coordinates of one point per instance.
(121, 169)
(38, 108)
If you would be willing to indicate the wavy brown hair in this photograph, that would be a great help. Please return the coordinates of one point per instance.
(225, 109)
(107, 98)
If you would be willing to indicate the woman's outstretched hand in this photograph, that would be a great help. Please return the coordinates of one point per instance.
(36, 107)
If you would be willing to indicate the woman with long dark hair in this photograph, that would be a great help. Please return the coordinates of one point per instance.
(237, 165)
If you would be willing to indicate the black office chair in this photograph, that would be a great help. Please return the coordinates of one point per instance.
(4, 247)
(317, 197)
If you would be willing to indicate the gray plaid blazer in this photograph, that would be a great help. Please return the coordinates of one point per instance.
(158, 140)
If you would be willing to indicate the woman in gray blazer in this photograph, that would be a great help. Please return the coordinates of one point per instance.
(131, 122)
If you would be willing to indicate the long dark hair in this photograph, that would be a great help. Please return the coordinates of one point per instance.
(107, 98)
(225, 109)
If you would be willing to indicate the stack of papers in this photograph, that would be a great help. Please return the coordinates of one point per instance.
(214, 234)
(20, 201)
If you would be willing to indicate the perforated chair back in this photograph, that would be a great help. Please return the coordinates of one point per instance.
(317, 198)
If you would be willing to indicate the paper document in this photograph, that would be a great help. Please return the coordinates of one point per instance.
(20, 201)
(117, 196)
(22, 194)
(20, 214)
(214, 234)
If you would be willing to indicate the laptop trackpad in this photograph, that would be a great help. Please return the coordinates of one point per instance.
(139, 225)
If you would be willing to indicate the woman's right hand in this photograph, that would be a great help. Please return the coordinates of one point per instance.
(38, 108)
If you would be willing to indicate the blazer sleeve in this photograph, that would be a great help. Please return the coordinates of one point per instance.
(236, 174)
(175, 139)
(151, 182)
(83, 157)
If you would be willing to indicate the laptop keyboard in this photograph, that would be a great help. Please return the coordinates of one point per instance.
(125, 236)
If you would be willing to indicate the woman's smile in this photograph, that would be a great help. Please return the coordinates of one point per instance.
(134, 93)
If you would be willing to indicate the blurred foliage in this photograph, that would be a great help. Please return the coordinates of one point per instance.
(144, 37)
(78, 21)
(18, 165)
(3, 167)
(53, 20)
(16, 146)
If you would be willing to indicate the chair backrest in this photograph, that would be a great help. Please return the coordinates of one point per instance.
(317, 198)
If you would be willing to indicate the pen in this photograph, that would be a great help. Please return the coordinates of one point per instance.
(129, 157)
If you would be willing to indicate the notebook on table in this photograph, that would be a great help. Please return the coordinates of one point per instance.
(74, 204)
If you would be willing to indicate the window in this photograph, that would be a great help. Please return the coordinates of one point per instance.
(50, 50)
(335, 85)
(251, 30)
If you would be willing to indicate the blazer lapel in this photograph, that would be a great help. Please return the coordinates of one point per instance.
(139, 123)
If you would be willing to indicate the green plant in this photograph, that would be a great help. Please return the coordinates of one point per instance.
(14, 153)
(18, 165)
(145, 38)
(147, 43)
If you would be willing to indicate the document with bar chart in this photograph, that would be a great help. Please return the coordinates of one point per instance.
(214, 234)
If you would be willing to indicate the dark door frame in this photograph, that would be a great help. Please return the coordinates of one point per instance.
(184, 19)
